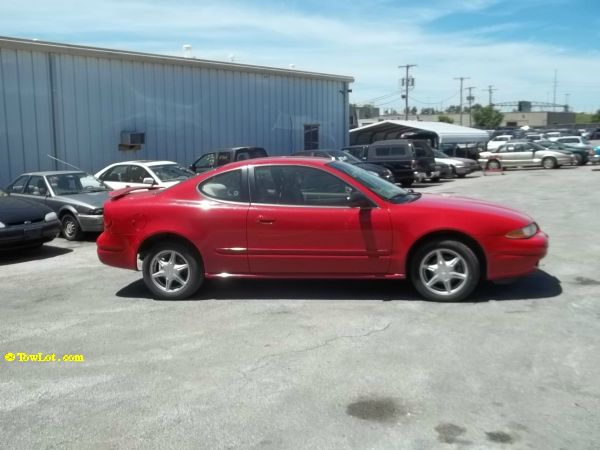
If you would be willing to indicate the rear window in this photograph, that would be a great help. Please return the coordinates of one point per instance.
(251, 154)
(397, 150)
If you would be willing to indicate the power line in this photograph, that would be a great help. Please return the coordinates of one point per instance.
(433, 103)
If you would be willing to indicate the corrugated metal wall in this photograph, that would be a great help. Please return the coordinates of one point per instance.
(75, 107)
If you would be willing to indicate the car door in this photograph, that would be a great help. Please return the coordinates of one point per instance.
(300, 223)
(506, 154)
(523, 154)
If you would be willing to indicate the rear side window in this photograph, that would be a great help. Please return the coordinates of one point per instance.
(224, 186)
(117, 173)
(395, 151)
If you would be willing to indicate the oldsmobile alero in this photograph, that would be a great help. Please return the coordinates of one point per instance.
(313, 218)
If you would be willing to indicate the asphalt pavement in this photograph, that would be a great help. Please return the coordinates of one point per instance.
(312, 364)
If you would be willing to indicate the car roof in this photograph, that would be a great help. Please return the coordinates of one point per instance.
(46, 173)
(294, 160)
(146, 162)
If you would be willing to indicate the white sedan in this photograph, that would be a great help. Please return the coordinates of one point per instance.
(162, 174)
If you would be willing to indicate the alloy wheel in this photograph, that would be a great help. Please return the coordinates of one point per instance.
(170, 271)
(443, 272)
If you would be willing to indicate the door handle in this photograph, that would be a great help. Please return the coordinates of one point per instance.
(265, 220)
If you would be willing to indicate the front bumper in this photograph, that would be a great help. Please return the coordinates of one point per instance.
(466, 170)
(510, 258)
(91, 223)
(16, 236)
(422, 176)
(595, 159)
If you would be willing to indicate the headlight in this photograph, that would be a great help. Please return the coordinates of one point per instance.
(96, 212)
(523, 233)
(50, 217)
(2, 225)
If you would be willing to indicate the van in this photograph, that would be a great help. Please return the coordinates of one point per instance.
(408, 160)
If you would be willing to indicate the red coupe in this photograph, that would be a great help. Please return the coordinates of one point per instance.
(313, 218)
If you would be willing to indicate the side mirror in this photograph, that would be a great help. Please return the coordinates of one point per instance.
(358, 200)
(148, 180)
(193, 167)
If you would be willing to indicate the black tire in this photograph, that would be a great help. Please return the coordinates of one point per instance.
(71, 230)
(194, 274)
(462, 175)
(549, 163)
(407, 183)
(435, 179)
(493, 165)
(467, 264)
(578, 159)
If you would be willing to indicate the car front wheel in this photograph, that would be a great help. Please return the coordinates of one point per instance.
(549, 163)
(71, 229)
(172, 271)
(445, 270)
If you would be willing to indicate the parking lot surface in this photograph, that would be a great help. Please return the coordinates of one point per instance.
(313, 364)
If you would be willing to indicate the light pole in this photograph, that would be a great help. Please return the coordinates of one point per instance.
(462, 79)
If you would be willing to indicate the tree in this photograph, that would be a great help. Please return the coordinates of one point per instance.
(596, 117)
(413, 110)
(487, 117)
(452, 109)
(445, 119)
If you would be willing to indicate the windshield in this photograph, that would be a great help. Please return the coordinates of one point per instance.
(439, 154)
(378, 186)
(340, 155)
(75, 183)
(171, 172)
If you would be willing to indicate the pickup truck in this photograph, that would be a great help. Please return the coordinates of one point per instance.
(224, 156)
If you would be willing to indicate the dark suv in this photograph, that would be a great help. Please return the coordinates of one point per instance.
(408, 160)
(224, 156)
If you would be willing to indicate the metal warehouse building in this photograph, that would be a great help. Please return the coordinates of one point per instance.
(84, 104)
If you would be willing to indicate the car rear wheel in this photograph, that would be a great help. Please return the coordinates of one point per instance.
(549, 163)
(578, 159)
(71, 230)
(406, 183)
(445, 270)
(172, 271)
(435, 179)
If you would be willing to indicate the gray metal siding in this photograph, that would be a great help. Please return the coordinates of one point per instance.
(75, 107)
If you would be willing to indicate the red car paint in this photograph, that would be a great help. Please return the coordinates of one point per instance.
(254, 240)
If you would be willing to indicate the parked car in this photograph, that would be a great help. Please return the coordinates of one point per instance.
(314, 218)
(399, 156)
(162, 174)
(524, 154)
(575, 141)
(497, 141)
(581, 155)
(535, 137)
(340, 155)
(461, 167)
(24, 223)
(223, 156)
(76, 197)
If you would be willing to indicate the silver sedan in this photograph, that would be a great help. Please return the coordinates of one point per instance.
(525, 154)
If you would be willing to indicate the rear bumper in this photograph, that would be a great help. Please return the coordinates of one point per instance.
(91, 223)
(116, 251)
(23, 235)
(509, 258)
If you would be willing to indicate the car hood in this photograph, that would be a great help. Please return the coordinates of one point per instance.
(15, 210)
(88, 199)
(471, 211)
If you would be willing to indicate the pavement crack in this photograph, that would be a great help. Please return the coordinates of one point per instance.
(265, 359)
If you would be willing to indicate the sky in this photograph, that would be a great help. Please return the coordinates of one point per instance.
(515, 46)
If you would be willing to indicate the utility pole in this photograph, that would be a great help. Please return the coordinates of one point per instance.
(490, 90)
(406, 82)
(462, 79)
(567, 102)
(470, 99)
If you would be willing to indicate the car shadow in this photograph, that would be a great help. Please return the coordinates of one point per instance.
(538, 285)
(31, 254)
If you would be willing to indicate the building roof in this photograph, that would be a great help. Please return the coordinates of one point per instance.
(97, 52)
(447, 133)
